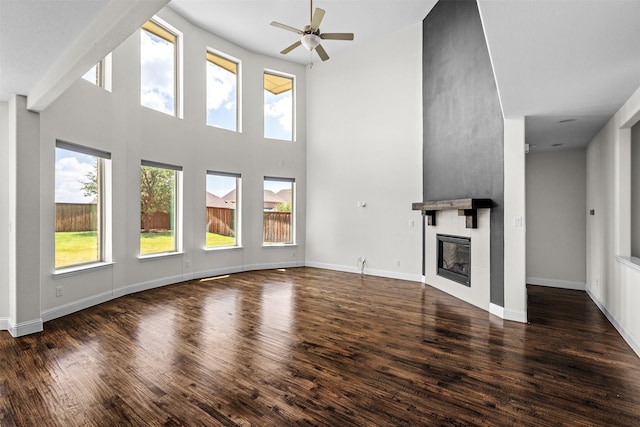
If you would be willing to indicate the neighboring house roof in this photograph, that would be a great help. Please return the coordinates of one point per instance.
(214, 201)
(229, 200)
(284, 194)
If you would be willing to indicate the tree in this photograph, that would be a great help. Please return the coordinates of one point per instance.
(156, 192)
(90, 186)
(283, 207)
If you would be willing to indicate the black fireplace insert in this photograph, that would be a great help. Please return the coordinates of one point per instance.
(454, 258)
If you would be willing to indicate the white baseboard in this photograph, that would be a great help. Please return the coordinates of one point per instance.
(506, 314)
(553, 283)
(515, 316)
(4, 323)
(72, 307)
(496, 310)
(367, 271)
(24, 328)
(624, 332)
(145, 286)
(271, 266)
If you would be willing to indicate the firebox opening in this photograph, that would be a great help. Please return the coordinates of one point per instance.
(454, 258)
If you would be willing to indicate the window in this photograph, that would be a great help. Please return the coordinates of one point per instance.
(159, 67)
(82, 186)
(222, 92)
(279, 211)
(278, 106)
(100, 74)
(223, 209)
(160, 211)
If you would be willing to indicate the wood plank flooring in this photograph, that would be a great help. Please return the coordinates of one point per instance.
(314, 347)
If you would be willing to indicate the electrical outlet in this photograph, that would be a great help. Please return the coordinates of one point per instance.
(397, 263)
(59, 291)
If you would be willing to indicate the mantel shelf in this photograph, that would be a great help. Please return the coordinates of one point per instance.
(465, 207)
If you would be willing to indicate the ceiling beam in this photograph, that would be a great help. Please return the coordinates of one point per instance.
(117, 21)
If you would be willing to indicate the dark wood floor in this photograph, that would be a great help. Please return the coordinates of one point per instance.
(314, 347)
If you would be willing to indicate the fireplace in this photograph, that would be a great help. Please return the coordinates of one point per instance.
(454, 258)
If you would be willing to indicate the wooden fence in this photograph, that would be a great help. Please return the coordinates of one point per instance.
(221, 221)
(277, 227)
(76, 216)
(83, 217)
(157, 221)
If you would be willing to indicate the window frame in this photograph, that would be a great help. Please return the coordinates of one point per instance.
(177, 207)
(293, 217)
(104, 210)
(103, 73)
(238, 74)
(293, 103)
(165, 27)
(238, 211)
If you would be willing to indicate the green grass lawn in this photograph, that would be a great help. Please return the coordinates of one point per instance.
(220, 240)
(77, 247)
(74, 248)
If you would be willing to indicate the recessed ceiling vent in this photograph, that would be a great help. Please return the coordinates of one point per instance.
(567, 121)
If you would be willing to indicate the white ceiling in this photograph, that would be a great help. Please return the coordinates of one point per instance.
(553, 59)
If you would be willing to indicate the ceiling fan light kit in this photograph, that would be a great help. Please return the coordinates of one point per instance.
(311, 35)
(310, 41)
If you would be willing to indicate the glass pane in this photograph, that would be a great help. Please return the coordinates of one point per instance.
(157, 68)
(92, 75)
(157, 210)
(278, 211)
(278, 110)
(222, 210)
(76, 197)
(221, 96)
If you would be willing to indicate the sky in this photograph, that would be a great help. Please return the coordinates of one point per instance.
(157, 73)
(221, 97)
(71, 172)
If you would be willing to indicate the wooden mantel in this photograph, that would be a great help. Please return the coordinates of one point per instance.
(466, 207)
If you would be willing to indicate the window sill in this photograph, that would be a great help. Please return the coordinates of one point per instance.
(80, 269)
(221, 248)
(279, 245)
(151, 257)
(630, 261)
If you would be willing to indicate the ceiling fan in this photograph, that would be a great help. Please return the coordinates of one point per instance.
(311, 35)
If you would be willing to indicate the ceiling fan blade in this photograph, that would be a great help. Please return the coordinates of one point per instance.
(286, 27)
(317, 18)
(290, 48)
(337, 36)
(322, 53)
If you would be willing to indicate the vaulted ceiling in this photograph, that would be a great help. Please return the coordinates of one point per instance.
(565, 65)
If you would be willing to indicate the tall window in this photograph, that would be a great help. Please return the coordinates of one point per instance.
(279, 211)
(278, 106)
(160, 210)
(100, 74)
(222, 92)
(82, 184)
(223, 209)
(159, 67)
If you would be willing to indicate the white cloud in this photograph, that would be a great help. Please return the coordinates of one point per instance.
(220, 86)
(70, 174)
(282, 110)
(157, 73)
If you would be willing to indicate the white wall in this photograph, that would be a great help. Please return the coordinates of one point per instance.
(515, 220)
(612, 274)
(4, 215)
(635, 190)
(115, 122)
(557, 218)
(365, 144)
